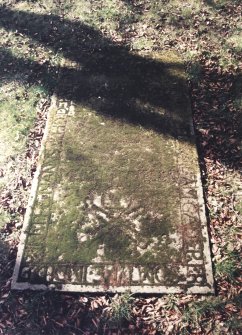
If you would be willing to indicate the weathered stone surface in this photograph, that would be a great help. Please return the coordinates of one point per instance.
(117, 202)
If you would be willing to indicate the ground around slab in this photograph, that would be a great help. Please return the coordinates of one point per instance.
(207, 35)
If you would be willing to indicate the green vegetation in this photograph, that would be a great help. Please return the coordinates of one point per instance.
(108, 186)
(203, 313)
(207, 35)
(17, 115)
(228, 266)
(120, 310)
(196, 310)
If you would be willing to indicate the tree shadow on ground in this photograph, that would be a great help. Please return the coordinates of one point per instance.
(106, 77)
(133, 4)
(219, 4)
(92, 51)
(5, 262)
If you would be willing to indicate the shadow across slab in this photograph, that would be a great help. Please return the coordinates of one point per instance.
(144, 91)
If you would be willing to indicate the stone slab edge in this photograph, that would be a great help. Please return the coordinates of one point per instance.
(204, 227)
(32, 196)
(15, 285)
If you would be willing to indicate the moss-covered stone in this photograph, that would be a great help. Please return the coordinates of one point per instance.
(109, 197)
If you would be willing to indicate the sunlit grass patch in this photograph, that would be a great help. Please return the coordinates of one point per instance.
(142, 43)
(235, 40)
(105, 14)
(228, 267)
(170, 17)
(17, 115)
(4, 216)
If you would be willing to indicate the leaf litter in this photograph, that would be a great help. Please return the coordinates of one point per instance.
(215, 68)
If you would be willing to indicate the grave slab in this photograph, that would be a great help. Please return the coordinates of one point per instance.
(117, 202)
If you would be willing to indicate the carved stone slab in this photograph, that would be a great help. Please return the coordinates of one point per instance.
(117, 202)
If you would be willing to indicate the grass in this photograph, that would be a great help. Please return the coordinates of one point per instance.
(120, 310)
(235, 40)
(165, 25)
(17, 115)
(4, 216)
(143, 43)
(228, 267)
(203, 314)
(195, 312)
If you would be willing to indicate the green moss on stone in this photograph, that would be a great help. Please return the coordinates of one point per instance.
(116, 181)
